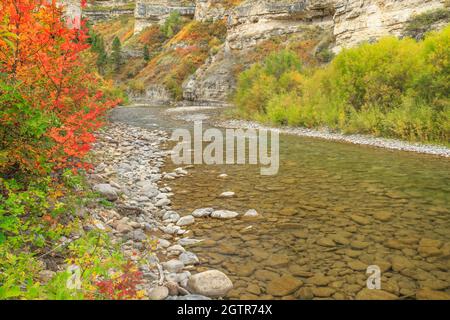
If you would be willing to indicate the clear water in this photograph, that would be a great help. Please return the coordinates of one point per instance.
(332, 210)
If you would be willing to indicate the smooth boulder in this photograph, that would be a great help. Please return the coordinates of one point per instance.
(211, 283)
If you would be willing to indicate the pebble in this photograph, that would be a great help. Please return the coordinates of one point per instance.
(186, 220)
(251, 213)
(227, 194)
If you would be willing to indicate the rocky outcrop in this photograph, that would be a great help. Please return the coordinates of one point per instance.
(101, 10)
(256, 20)
(356, 21)
(213, 81)
(210, 10)
(248, 25)
(155, 94)
(149, 12)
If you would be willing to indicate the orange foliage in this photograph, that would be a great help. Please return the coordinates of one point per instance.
(44, 64)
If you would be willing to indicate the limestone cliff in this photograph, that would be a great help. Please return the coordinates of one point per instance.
(356, 21)
(332, 24)
(149, 12)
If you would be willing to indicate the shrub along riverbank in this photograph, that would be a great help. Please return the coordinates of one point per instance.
(51, 104)
(396, 88)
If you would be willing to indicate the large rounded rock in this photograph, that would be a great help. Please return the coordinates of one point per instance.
(158, 293)
(211, 283)
(186, 220)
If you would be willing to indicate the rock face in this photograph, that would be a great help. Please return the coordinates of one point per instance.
(367, 20)
(256, 20)
(210, 10)
(211, 283)
(101, 10)
(338, 24)
(149, 12)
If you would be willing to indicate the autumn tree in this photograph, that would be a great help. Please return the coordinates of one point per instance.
(44, 79)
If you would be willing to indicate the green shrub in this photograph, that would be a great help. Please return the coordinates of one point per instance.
(172, 25)
(395, 87)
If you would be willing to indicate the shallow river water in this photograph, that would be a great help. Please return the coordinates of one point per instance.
(332, 210)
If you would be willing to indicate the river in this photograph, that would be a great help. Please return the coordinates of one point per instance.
(332, 210)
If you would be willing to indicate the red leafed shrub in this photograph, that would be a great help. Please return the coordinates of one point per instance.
(41, 60)
(122, 287)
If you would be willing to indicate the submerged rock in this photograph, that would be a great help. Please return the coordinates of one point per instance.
(186, 220)
(224, 214)
(202, 212)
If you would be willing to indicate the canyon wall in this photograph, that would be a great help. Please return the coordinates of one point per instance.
(341, 23)
(356, 21)
(148, 12)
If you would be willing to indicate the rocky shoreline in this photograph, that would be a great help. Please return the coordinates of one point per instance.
(128, 173)
(359, 139)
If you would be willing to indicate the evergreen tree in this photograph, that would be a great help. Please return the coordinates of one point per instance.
(98, 46)
(116, 54)
(146, 53)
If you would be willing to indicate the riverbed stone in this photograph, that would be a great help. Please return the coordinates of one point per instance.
(383, 216)
(107, 191)
(251, 213)
(211, 283)
(399, 263)
(265, 275)
(299, 271)
(158, 293)
(323, 292)
(326, 242)
(284, 285)
(278, 260)
(374, 294)
(224, 214)
(320, 280)
(305, 293)
(202, 212)
(359, 245)
(428, 294)
(186, 220)
(227, 194)
(357, 265)
(173, 265)
(360, 219)
(124, 228)
(189, 258)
